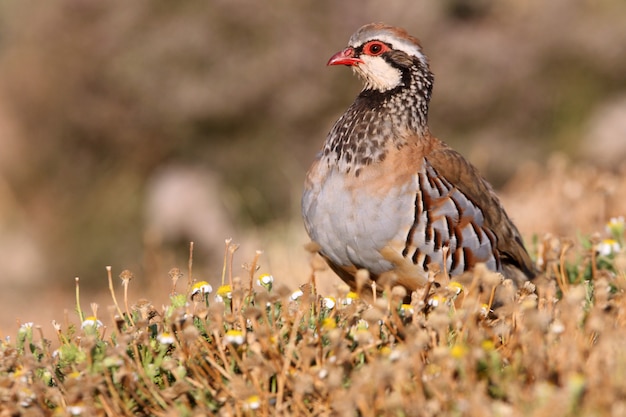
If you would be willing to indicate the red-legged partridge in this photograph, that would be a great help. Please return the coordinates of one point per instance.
(387, 196)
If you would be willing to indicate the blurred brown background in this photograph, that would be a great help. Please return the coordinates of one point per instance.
(128, 129)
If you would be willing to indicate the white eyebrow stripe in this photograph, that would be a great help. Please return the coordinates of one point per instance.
(396, 43)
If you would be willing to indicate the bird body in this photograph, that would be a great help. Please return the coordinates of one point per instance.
(387, 196)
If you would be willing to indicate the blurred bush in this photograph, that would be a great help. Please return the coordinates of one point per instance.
(98, 99)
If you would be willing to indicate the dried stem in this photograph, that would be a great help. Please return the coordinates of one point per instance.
(190, 268)
(112, 290)
(81, 316)
(227, 245)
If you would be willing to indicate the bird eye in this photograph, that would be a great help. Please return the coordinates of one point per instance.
(375, 48)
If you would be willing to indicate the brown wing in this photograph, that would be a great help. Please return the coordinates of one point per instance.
(465, 177)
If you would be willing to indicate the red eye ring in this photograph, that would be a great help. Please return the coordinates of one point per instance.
(375, 48)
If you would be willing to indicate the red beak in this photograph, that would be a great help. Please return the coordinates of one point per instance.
(345, 57)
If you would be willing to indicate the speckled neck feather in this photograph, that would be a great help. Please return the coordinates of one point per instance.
(361, 135)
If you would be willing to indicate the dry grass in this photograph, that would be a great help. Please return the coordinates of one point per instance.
(94, 121)
(252, 347)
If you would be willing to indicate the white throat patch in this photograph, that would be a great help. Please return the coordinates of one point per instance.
(378, 74)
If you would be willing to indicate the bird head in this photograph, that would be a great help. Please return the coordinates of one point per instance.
(382, 55)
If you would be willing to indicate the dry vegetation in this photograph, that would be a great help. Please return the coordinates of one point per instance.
(252, 347)
(102, 103)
